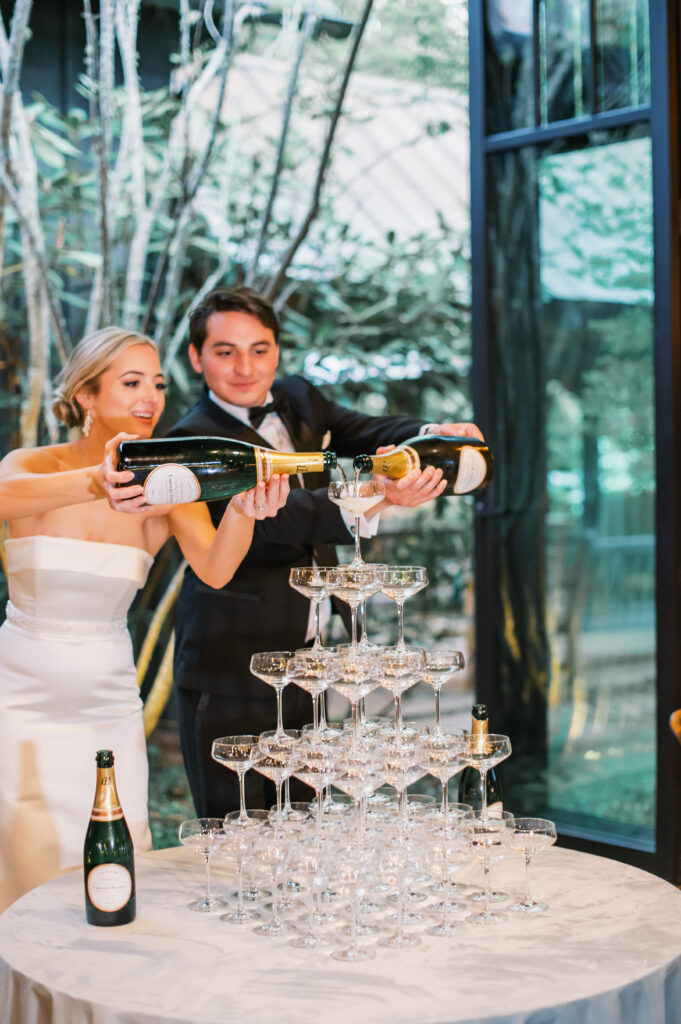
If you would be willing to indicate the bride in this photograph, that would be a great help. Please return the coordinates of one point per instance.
(68, 684)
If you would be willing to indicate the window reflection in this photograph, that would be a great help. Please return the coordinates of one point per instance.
(509, 77)
(596, 277)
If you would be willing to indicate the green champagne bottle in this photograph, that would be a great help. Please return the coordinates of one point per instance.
(108, 863)
(470, 780)
(175, 470)
(467, 463)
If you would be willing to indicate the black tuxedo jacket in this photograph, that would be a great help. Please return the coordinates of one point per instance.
(217, 631)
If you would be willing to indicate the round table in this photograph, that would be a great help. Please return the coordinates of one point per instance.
(608, 951)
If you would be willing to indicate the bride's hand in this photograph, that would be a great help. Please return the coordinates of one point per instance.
(110, 479)
(264, 500)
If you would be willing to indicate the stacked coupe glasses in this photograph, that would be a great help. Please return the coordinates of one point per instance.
(364, 864)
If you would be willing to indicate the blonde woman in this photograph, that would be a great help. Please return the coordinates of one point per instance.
(80, 546)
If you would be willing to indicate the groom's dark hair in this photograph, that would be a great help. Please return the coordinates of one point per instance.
(231, 300)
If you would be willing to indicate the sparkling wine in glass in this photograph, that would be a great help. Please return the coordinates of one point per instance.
(236, 752)
(203, 835)
(356, 497)
(270, 666)
(530, 836)
(400, 582)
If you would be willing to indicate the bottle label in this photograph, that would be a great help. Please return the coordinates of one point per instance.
(171, 484)
(109, 887)
(472, 470)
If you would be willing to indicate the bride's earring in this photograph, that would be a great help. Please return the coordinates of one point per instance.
(87, 424)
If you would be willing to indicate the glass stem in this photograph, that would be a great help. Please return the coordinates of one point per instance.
(353, 613)
(278, 785)
(445, 800)
(485, 868)
(364, 639)
(355, 722)
(322, 710)
(275, 900)
(240, 888)
(437, 710)
(287, 795)
(317, 629)
(358, 556)
(280, 721)
(315, 716)
(398, 714)
(400, 623)
(208, 895)
(242, 797)
(320, 810)
(526, 897)
(483, 779)
(446, 900)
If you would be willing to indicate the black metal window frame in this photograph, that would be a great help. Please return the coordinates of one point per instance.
(662, 114)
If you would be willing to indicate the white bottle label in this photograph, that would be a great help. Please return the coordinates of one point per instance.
(171, 484)
(109, 886)
(472, 470)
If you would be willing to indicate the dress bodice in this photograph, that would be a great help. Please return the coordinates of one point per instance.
(55, 582)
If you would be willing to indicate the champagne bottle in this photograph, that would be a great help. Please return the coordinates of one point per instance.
(466, 462)
(108, 862)
(470, 780)
(174, 470)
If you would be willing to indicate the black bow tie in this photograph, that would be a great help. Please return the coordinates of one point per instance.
(257, 414)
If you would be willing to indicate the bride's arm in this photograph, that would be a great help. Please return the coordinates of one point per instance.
(32, 482)
(215, 555)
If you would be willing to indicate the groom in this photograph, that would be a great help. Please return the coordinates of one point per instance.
(234, 344)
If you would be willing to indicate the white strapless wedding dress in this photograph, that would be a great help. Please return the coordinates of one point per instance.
(68, 688)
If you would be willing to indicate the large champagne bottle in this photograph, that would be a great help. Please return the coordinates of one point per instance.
(108, 862)
(174, 470)
(466, 462)
(470, 780)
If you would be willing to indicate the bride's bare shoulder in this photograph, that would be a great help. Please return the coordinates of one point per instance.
(51, 458)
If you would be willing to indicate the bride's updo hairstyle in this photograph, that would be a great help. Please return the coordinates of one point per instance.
(82, 370)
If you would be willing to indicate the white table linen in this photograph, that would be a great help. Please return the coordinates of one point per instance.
(608, 951)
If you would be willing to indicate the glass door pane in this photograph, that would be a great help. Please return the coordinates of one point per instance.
(595, 217)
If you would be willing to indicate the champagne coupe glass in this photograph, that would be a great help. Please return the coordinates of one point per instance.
(353, 584)
(355, 870)
(311, 863)
(310, 581)
(402, 767)
(485, 752)
(236, 752)
(444, 756)
(359, 773)
(402, 865)
(439, 667)
(204, 836)
(236, 845)
(356, 678)
(316, 767)
(275, 758)
(257, 817)
(270, 666)
(447, 852)
(356, 498)
(273, 848)
(312, 671)
(489, 838)
(400, 582)
(399, 669)
(530, 836)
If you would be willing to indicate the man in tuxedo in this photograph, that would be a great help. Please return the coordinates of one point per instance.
(233, 343)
